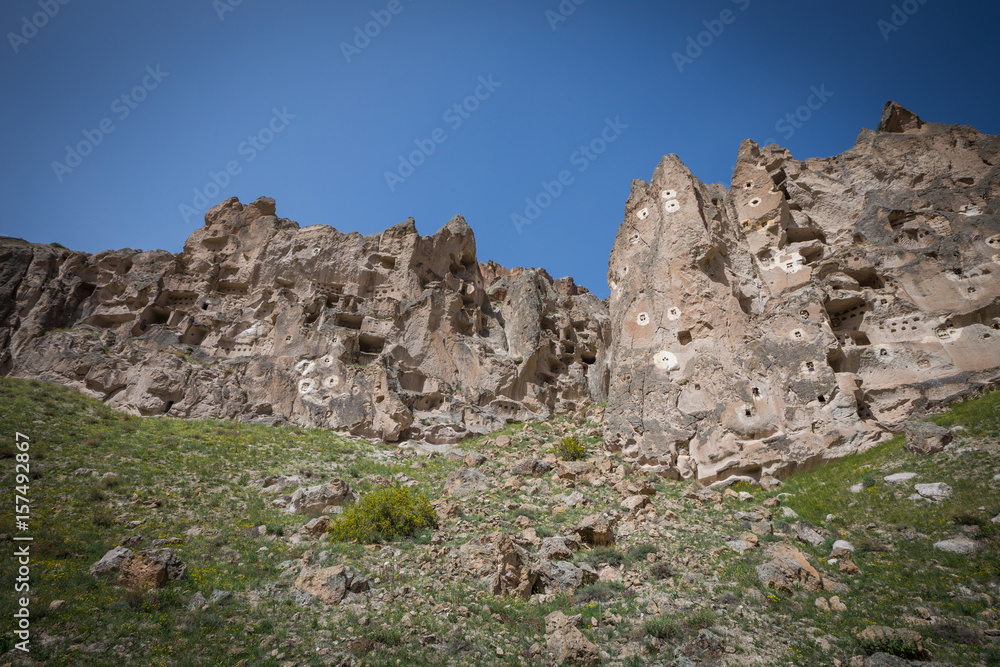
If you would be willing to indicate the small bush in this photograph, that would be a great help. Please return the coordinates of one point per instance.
(640, 551)
(598, 592)
(385, 514)
(661, 570)
(570, 449)
(702, 618)
(901, 643)
(608, 555)
(663, 628)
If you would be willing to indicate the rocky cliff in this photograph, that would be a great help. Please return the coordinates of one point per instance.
(807, 310)
(389, 336)
(799, 315)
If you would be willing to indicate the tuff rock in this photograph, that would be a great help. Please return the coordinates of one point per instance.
(805, 312)
(390, 336)
(808, 310)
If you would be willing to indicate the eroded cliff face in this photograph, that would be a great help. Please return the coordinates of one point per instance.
(805, 312)
(797, 316)
(388, 336)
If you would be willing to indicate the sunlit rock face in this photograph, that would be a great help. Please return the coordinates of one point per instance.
(805, 312)
(801, 314)
(391, 335)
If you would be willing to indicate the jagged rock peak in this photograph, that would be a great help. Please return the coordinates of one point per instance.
(809, 309)
(389, 335)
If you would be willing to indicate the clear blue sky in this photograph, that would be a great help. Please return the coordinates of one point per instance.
(219, 81)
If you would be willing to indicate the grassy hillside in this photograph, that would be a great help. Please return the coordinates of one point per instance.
(675, 587)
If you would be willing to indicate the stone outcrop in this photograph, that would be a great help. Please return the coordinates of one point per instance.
(390, 336)
(804, 313)
(808, 310)
(154, 568)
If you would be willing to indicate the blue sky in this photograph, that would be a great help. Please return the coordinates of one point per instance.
(162, 95)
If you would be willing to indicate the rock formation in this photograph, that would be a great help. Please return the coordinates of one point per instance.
(806, 311)
(390, 336)
(802, 314)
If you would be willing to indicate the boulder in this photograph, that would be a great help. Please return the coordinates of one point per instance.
(505, 566)
(315, 499)
(926, 438)
(958, 545)
(110, 562)
(787, 568)
(842, 549)
(596, 530)
(330, 585)
(557, 548)
(566, 643)
(899, 477)
(936, 492)
(154, 568)
(461, 483)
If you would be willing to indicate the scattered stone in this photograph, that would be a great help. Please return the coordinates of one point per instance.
(788, 567)
(55, 604)
(330, 585)
(110, 562)
(557, 548)
(461, 483)
(153, 568)
(279, 483)
(836, 605)
(501, 563)
(635, 503)
(566, 643)
(842, 549)
(926, 438)
(848, 567)
(808, 534)
(899, 477)
(857, 488)
(935, 492)
(596, 530)
(788, 513)
(197, 602)
(957, 545)
(318, 526)
(315, 499)
(218, 597)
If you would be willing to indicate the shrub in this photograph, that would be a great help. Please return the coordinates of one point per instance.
(569, 449)
(901, 643)
(609, 555)
(663, 628)
(661, 570)
(639, 551)
(385, 514)
(599, 592)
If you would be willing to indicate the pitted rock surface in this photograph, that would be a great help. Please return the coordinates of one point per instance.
(807, 311)
(388, 336)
